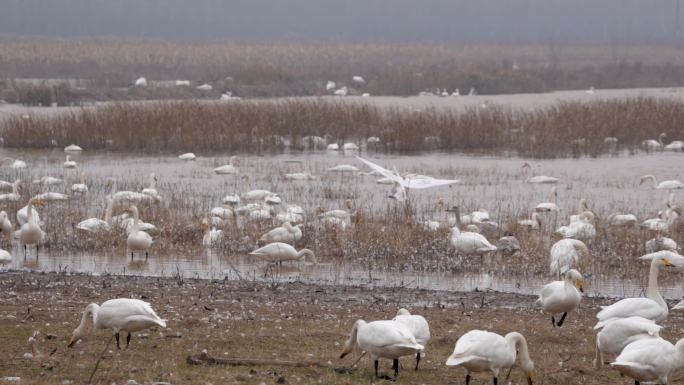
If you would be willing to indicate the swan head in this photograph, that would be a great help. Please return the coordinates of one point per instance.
(235, 161)
(37, 202)
(645, 178)
(403, 311)
(576, 278)
(205, 224)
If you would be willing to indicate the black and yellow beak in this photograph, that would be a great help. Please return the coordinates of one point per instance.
(667, 262)
(580, 286)
(72, 342)
(530, 379)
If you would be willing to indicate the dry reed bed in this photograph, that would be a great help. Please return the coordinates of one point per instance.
(566, 129)
(293, 68)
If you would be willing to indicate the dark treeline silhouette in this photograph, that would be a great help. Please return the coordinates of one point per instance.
(441, 21)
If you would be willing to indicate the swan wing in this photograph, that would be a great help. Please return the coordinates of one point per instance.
(628, 307)
(423, 183)
(383, 171)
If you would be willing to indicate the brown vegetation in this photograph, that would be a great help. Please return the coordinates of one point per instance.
(567, 129)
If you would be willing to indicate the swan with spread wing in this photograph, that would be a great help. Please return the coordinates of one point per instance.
(411, 181)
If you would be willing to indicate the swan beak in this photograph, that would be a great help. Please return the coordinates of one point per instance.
(72, 342)
(667, 262)
(580, 286)
(530, 379)
(343, 355)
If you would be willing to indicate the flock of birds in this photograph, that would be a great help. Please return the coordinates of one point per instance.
(627, 329)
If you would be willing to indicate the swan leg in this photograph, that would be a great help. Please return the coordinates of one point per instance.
(553, 321)
(128, 340)
(496, 381)
(417, 360)
(467, 379)
(375, 364)
(131, 255)
(146, 255)
(395, 365)
(560, 323)
(117, 341)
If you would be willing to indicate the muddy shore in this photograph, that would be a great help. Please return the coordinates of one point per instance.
(293, 322)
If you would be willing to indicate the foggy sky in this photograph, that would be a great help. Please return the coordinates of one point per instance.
(442, 21)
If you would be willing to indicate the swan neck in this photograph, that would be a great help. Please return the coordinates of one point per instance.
(136, 220)
(652, 291)
(29, 213)
(91, 309)
(516, 340)
(306, 253)
(108, 212)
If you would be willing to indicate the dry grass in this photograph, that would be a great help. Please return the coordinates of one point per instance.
(568, 129)
(293, 322)
(290, 68)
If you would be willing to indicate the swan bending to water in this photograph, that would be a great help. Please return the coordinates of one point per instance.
(69, 163)
(653, 307)
(278, 252)
(483, 351)
(469, 243)
(561, 296)
(382, 339)
(120, 315)
(418, 326)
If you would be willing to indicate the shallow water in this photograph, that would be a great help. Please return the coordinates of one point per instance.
(494, 183)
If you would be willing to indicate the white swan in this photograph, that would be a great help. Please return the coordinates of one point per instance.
(80, 188)
(469, 243)
(152, 190)
(654, 145)
(676, 145)
(350, 147)
(656, 224)
(653, 307)
(483, 351)
(533, 224)
(137, 240)
(49, 181)
(285, 233)
(187, 156)
(5, 224)
(23, 216)
(622, 220)
(52, 196)
(212, 236)
(256, 195)
(418, 326)
(97, 225)
(127, 197)
(15, 164)
(69, 163)
(120, 315)
(565, 254)
(72, 148)
(561, 296)
(382, 339)
(546, 207)
(659, 244)
(232, 168)
(408, 182)
(343, 168)
(651, 359)
(232, 200)
(300, 176)
(508, 245)
(664, 185)
(31, 233)
(615, 335)
(539, 179)
(15, 195)
(5, 257)
(278, 252)
(581, 229)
